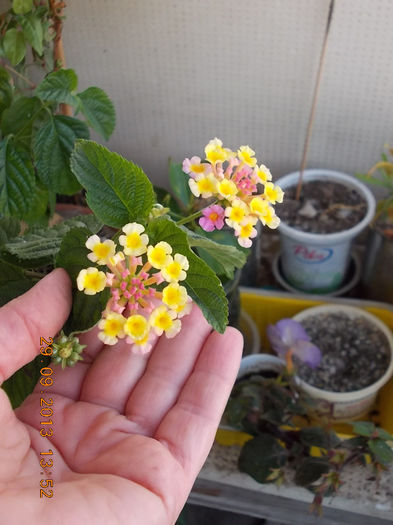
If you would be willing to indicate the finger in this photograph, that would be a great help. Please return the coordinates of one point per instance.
(167, 370)
(189, 428)
(40, 312)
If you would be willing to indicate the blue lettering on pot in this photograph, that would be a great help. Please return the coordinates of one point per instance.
(311, 255)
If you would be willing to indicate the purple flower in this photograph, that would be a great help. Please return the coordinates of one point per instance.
(213, 218)
(288, 337)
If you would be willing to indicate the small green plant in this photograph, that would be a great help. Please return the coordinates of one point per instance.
(40, 121)
(284, 443)
(381, 175)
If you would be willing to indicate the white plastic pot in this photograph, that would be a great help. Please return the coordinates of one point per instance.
(346, 406)
(314, 262)
(256, 363)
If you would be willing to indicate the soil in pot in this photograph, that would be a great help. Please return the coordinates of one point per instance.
(323, 207)
(355, 353)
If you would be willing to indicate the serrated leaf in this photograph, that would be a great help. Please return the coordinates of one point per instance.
(22, 383)
(17, 180)
(14, 46)
(19, 117)
(38, 213)
(72, 256)
(52, 146)
(118, 191)
(310, 470)
(59, 87)
(5, 90)
(179, 183)
(12, 282)
(318, 437)
(260, 456)
(9, 228)
(381, 450)
(39, 246)
(222, 258)
(202, 284)
(20, 7)
(32, 29)
(99, 111)
(363, 428)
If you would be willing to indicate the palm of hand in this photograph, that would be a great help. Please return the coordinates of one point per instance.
(130, 432)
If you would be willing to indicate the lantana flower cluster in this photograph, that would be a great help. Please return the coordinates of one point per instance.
(138, 306)
(234, 179)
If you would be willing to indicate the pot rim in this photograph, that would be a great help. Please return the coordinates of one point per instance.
(355, 395)
(337, 237)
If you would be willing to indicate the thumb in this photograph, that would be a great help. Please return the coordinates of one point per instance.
(40, 312)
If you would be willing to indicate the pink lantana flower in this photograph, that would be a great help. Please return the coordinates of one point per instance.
(213, 218)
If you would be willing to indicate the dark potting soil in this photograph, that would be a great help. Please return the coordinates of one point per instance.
(323, 207)
(355, 353)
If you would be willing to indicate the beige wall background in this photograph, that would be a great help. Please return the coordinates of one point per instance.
(183, 71)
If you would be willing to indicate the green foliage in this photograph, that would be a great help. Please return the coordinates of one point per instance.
(12, 282)
(22, 383)
(260, 456)
(179, 184)
(118, 191)
(21, 7)
(52, 147)
(59, 87)
(98, 109)
(33, 32)
(202, 284)
(14, 46)
(5, 90)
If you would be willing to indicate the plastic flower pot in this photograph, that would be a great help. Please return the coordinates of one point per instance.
(345, 406)
(259, 363)
(314, 262)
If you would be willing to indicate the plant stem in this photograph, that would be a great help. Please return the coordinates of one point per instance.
(190, 218)
(314, 102)
(15, 72)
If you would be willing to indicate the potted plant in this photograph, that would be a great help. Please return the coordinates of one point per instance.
(351, 353)
(317, 228)
(378, 261)
(41, 113)
(141, 278)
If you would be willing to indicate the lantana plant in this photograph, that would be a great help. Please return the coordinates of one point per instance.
(135, 266)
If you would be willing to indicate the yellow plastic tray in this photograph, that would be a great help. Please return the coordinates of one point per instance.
(267, 307)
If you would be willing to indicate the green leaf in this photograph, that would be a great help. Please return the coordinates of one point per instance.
(20, 7)
(86, 309)
(39, 246)
(5, 90)
(118, 191)
(39, 209)
(318, 437)
(19, 117)
(12, 282)
(223, 259)
(52, 146)
(381, 450)
(363, 428)
(310, 470)
(32, 29)
(14, 46)
(260, 456)
(99, 111)
(179, 183)
(9, 228)
(382, 434)
(22, 383)
(202, 284)
(17, 180)
(59, 87)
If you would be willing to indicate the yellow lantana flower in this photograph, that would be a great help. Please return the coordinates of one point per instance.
(91, 281)
(246, 231)
(137, 327)
(112, 328)
(176, 269)
(158, 255)
(204, 186)
(246, 155)
(134, 241)
(227, 189)
(174, 296)
(215, 152)
(236, 213)
(164, 320)
(259, 206)
(273, 193)
(100, 251)
(270, 219)
(263, 173)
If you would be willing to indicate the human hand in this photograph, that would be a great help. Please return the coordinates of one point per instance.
(130, 432)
